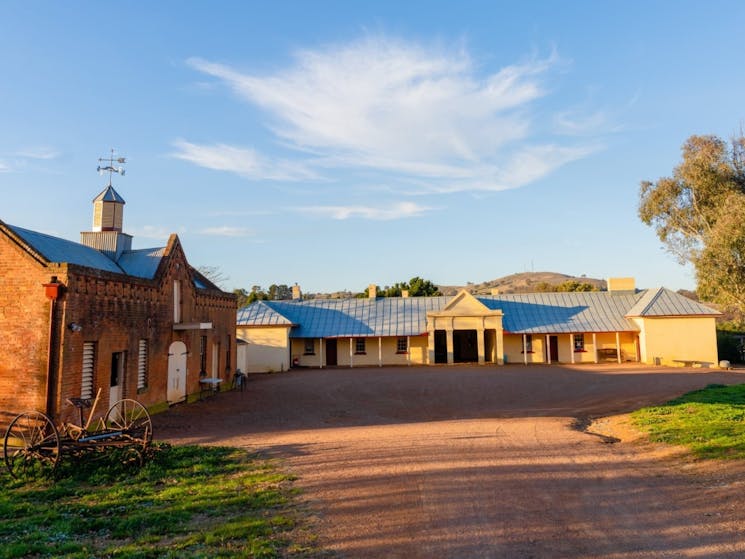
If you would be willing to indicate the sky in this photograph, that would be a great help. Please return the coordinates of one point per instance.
(335, 144)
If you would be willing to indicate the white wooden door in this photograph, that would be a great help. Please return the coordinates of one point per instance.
(176, 373)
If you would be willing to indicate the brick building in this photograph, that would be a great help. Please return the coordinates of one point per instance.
(77, 317)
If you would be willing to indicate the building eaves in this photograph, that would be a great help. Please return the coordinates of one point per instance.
(57, 250)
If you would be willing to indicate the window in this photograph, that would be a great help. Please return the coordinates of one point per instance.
(142, 365)
(359, 346)
(402, 345)
(202, 356)
(528, 343)
(309, 347)
(176, 301)
(579, 342)
(89, 361)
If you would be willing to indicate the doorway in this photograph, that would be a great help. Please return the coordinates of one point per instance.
(553, 349)
(176, 391)
(441, 346)
(465, 346)
(331, 360)
(116, 378)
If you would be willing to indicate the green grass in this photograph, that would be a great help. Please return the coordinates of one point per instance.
(711, 422)
(184, 502)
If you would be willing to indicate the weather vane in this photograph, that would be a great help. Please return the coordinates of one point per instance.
(110, 167)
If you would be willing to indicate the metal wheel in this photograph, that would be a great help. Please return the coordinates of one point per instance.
(132, 419)
(31, 446)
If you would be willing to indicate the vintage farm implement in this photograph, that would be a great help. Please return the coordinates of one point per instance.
(34, 445)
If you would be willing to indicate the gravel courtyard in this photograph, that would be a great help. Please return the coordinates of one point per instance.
(462, 462)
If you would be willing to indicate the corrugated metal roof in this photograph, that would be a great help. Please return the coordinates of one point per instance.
(142, 263)
(663, 302)
(330, 318)
(261, 314)
(59, 250)
(524, 313)
(552, 313)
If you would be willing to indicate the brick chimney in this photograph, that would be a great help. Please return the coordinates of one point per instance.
(296, 293)
(405, 293)
(372, 291)
(621, 285)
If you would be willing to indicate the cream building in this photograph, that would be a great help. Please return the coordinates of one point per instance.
(653, 326)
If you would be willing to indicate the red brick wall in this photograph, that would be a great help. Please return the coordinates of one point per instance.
(24, 324)
(115, 312)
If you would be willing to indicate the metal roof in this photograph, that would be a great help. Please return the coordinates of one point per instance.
(108, 194)
(573, 312)
(261, 314)
(142, 263)
(55, 249)
(523, 313)
(331, 318)
(663, 302)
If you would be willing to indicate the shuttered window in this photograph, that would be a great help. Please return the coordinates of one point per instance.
(89, 362)
(142, 365)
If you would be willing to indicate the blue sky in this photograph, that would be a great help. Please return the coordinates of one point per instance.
(337, 144)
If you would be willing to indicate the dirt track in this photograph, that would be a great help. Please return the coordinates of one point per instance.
(464, 462)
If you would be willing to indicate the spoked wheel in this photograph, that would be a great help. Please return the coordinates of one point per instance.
(132, 419)
(31, 446)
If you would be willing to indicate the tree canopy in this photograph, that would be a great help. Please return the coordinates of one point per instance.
(699, 215)
(416, 286)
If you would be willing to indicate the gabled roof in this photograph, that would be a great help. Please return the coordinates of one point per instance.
(140, 263)
(54, 249)
(108, 194)
(523, 313)
(261, 314)
(663, 302)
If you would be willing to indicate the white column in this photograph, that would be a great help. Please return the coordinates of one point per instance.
(449, 338)
(618, 346)
(380, 351)
(595, 345)
(351, 353)
(480, 345)
(571, 346)
(525, 349)
(548, 349)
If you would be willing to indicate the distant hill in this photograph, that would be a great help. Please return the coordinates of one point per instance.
(525, 282)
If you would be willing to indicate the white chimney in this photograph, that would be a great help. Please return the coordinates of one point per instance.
(405, 293)
(372, 291)
(296, 293)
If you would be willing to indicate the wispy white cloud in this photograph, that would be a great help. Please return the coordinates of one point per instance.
(22, 159)
(156, 232)
(397, 211)
(40, 152)
(227, 231)
(413, 114)
(242, 161)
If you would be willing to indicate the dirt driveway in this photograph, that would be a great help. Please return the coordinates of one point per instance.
(465, 462)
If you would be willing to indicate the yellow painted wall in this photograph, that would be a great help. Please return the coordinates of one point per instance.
(663, 340)
(513, 348)
(266, 349)
(389, 353)
(513, 344)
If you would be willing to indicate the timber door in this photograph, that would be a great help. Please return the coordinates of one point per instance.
(331, 360)
(553, 348)
(176, 391)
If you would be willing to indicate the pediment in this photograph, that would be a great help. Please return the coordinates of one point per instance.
(465, 304)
